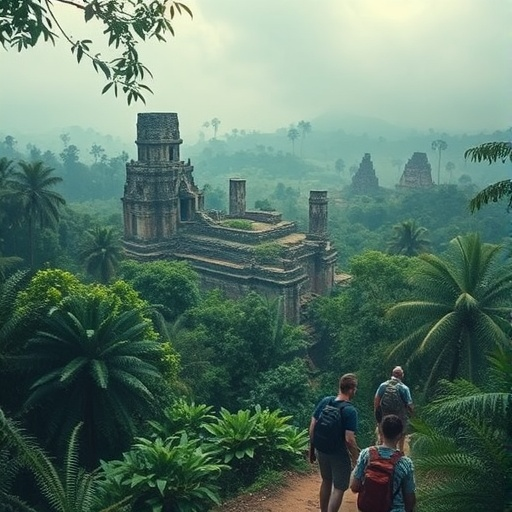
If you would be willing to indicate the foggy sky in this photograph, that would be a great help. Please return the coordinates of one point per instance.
(264, 64)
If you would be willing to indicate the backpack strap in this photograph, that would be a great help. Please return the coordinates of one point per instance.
(374, 454)
(339, 404)
(399, 390)
(396, 457)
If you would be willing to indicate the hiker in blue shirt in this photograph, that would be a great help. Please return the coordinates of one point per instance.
(404, 485)
(394, 397)
(335, 466)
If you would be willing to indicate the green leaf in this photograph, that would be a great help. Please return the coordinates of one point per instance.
(89, 12)
(161, 484)
(107, 87)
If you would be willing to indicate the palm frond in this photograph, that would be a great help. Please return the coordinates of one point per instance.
(34, 457)
(492, 194)
(490, 152)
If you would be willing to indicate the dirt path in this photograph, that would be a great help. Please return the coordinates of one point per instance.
(299, 494)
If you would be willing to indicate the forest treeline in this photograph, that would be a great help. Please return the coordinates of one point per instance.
(122, 387)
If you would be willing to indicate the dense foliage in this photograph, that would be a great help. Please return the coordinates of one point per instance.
(95, 371)
(463, 443)
(460, 311)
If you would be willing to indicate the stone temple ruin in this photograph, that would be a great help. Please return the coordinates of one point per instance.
(164, 218)
(365, 180)
(417, 172)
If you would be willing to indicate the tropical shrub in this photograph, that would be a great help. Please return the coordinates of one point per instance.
(246, 225)
(176, 474)
(462, 445)
(268, 253)
(47, 288)
(252, 443)
(226, 346)
(172, 284)
(181, 417)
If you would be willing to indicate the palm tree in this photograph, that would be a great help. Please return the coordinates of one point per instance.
(6, 171)
(305, 129)
(439, 146)
(450, 166)
(39, 205)
(90, 366)
(215, 122)
(96, 151)
(461, 448)
(293, 135)
(462, 310)
(408, 239)
(10, 143)
(101, 253)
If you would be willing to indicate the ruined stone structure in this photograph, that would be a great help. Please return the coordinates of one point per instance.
(164, 218)
(364, 180)
(417, 172)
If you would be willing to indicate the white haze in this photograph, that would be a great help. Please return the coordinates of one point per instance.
(264, 64)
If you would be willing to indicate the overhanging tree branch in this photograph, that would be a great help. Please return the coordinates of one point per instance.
(491, 152)
(24, 23)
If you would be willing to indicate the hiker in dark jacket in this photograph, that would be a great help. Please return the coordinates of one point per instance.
(394, 397)
(335, 467)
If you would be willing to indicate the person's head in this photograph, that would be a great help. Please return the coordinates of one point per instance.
(391, 427)
(398, 372)
(348, 383)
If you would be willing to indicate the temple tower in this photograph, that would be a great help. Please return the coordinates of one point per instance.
(164, 219)
(318, 213)
(417, 172)
(365, 180)
(237, 198)
(159, 193)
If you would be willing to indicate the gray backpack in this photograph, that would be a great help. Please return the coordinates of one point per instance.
(392, 401)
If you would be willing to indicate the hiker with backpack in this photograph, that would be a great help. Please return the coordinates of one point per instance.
(332, 434)
(384, 476)
(394, 397)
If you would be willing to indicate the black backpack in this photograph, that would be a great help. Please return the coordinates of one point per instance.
(328, 434)
(392, 401)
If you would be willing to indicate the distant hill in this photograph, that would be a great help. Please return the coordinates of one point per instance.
(333, 121)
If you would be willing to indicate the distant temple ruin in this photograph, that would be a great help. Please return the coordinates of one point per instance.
(417, 172)
(364, 180)
(164, 218)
